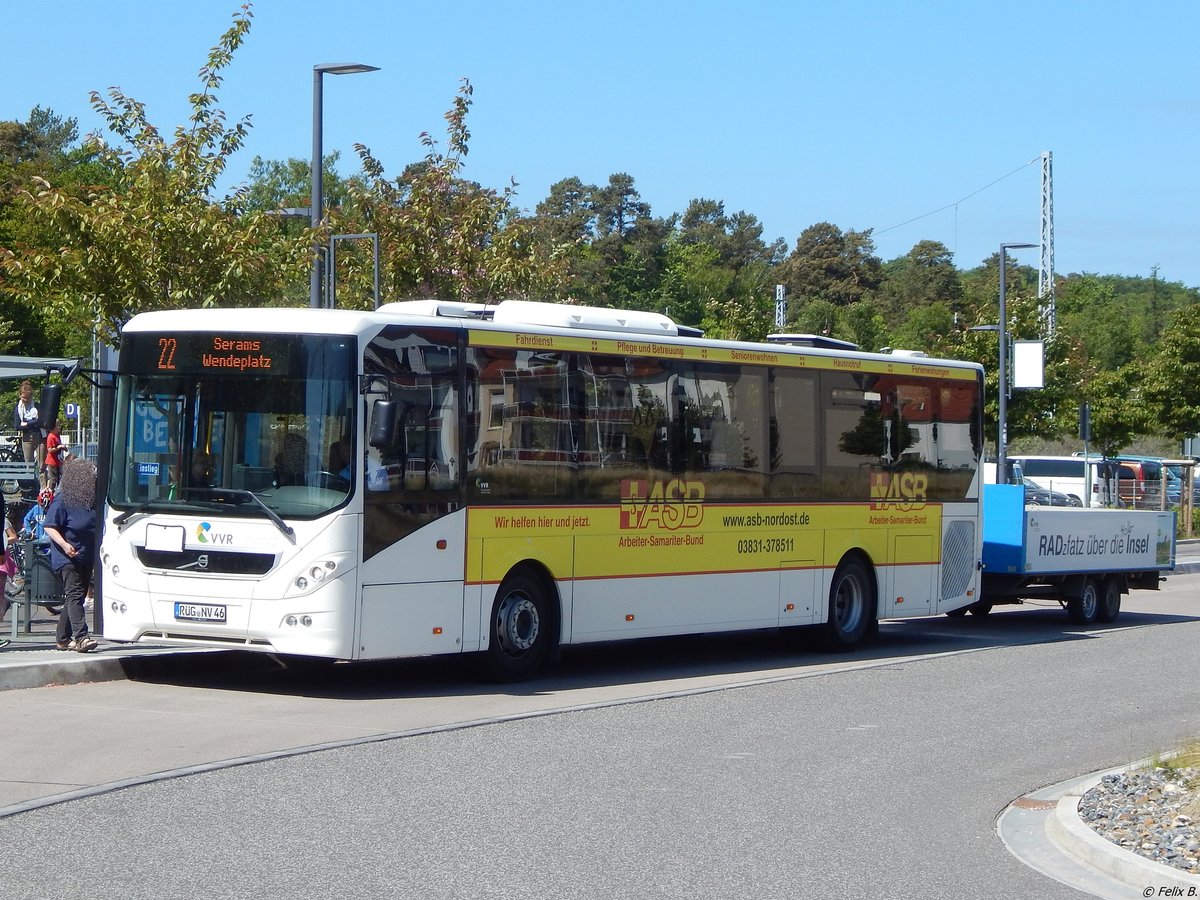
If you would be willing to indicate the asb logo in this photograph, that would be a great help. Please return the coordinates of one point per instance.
(902, 490)
(661, 504)
(205, 535)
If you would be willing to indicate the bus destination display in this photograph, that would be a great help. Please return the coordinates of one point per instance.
(201, 353)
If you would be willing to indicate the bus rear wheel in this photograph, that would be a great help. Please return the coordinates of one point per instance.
(520, 630)
(851, 606)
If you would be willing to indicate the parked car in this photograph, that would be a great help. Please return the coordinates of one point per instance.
(1036, 495)
(1140, 482)
(1066, 474)
(1177, 472)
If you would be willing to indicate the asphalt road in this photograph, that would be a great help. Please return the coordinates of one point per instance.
(874, 775)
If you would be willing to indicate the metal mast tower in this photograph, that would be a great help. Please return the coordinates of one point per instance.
(1046, 272)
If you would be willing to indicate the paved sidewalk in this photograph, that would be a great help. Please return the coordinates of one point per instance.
(30, 659)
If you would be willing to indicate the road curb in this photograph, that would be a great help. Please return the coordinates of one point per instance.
(1070, 834)
(75, 669)
(21, 669)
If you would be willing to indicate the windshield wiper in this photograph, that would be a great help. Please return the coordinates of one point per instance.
(220, 494)
(142, 508)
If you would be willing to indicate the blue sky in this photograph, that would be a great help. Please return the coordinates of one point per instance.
(867, 115)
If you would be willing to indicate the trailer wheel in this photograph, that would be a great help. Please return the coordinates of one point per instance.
(851, 606)
(1110, 600)
(1084, 608)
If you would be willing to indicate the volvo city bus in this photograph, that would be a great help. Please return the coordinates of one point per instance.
(437, 478)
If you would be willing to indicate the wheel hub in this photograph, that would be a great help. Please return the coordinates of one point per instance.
(517, 624)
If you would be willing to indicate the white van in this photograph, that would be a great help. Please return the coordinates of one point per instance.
(1073, 475)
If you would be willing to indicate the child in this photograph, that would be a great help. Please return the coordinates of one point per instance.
(54, 448)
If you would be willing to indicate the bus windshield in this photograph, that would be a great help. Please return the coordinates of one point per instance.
(260, 425)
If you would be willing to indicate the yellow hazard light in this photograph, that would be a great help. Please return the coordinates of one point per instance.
(790, 607)
(971, 593)
(629, 617)
(437, 631)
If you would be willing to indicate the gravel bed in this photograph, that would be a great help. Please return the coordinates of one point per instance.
(1152, 812)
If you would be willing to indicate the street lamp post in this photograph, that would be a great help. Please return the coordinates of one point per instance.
(1002, 438)
(314, 281)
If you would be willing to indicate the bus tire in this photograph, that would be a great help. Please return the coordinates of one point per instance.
(980, 608)
(519, 633)
(958, 613)
(851, 606)
(1084, 607)
(1110, 600)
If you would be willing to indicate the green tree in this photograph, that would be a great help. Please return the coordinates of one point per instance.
(1088, 311)
(745, 316)
(154, 239)
(737, 238)
(924, 276)
(280, 184)
(568, 213)
(820, 317)
(1117, 416)
(443, 236)
(693, 279)
(930, 327)
(1171, 375)
(42, 146)
(830, 265)
(631, 243)
(864, 325)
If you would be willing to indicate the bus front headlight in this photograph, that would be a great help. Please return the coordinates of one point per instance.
(315, 574)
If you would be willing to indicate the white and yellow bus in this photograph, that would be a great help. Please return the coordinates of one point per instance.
(434, 478)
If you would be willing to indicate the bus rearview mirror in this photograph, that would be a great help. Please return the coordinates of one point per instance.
(49, 404)
(384, 416)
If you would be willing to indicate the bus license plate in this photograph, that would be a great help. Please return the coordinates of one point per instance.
(194, 612)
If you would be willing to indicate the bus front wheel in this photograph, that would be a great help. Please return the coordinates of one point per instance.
(851, 606)
(520, 631)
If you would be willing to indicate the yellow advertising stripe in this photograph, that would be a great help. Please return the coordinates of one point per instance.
(625, 347)
(645, 539)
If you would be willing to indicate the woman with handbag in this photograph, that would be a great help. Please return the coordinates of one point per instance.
(71, 526)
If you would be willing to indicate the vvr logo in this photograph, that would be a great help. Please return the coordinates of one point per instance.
(205, 535)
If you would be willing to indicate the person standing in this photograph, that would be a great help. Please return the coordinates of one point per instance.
(29, 425)
(71, 526)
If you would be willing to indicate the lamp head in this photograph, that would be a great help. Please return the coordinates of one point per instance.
(343, 68)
